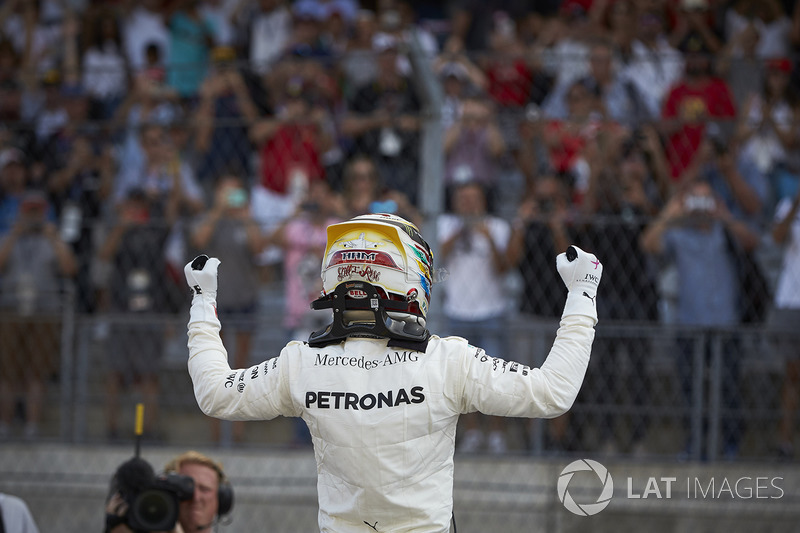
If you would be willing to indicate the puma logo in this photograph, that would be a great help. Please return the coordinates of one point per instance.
(595, 263)
(585, 294)
(375, 527)
(197, 289)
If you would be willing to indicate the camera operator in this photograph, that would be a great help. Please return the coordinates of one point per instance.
(196, 480)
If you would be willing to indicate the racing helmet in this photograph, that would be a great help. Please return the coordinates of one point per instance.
(385, 251)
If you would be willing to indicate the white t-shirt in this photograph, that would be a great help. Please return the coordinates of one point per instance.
(105, 71)
(141, 28)
(764, 147)
(269, 36)
(787, 293)
(474, 290)
(773, 37)
(654, 72)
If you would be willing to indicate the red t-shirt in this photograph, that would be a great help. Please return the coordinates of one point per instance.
(693, 105)
(509, 84)
(292, 149)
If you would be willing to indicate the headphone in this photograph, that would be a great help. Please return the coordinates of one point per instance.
(225, 489)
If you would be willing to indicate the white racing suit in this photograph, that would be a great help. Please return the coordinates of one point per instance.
(383, 419)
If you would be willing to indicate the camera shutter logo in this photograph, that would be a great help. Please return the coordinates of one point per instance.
(587, 509)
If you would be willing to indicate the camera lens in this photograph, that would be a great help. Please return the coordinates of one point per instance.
(154, 510)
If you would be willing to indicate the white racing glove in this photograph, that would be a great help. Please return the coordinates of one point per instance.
(581, 272)
(201, 275)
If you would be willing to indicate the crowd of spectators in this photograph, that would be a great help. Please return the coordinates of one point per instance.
(650, 131)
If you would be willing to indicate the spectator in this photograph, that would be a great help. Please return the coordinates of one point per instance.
(33, 263)
(363, 193)
(10, 83)
(168, 182)
(15, 515)
(359, 64)
(223, 116)
(738, 183)
(25, 25)
(80, 188)
(766, 127)
(617, 19)
(398, 18)
(52, 117)
(655, 66)
(735, 178)
(785, 315)
(14, 182)
(134, 253)
(302, 239)
(149, 101)
(306, 39)
(509, 78)
(544, 224)
(229, 232)
(105, 69)
(740, 65)
(473, 249)
(143, 26)
(695, 20)
(191, 38)
(697, 98)
(460, 79)
(220, 14)
(619, 97)
(382, 121)
(697, 232)
(568, 141)
(61, 126)
(270, 32)
(473, 145)
(337, 21)
(291, 144)
(629, 174)
(473, 22)
(564, 42)
(770, 21)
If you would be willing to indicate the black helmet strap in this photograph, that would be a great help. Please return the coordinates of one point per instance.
(363, 296)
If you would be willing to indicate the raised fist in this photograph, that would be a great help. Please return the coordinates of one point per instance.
(581, 272)
(201, 275)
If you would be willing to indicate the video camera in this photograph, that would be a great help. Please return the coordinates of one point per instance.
(153, 501)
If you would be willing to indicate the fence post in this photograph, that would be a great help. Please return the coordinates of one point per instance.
(86, 329)
(715, 395)
(67, 352)
(431, 187)
(697, 407)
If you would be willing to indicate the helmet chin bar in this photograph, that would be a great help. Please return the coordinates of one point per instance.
(354, 296)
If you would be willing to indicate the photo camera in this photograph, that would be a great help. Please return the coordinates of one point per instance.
(694, 203)
(153, 501)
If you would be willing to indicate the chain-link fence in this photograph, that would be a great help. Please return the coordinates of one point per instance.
(683, 183)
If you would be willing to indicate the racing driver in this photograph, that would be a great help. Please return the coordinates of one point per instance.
(380, 394)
